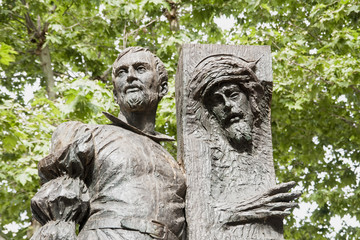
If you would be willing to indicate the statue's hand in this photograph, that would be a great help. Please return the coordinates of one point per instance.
(277, 198)
(55, 230)
(63, 198)
(273, 203)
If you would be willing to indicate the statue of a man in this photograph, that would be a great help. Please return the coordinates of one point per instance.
(116, 181)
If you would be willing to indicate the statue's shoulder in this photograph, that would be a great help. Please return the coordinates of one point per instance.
(71, 125)
(71, 150)
(68, 132)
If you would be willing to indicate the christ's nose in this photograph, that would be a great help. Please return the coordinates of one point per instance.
(228, 103)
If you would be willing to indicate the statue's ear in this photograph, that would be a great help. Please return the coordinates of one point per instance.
(115, 95)
(163, 89)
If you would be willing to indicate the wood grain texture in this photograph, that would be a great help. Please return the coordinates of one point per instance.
(218, 176)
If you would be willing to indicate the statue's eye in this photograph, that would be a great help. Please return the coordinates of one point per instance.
(217, 100)
(121, 71)
(234, 95)
(141, 69)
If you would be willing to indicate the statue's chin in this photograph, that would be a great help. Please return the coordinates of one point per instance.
(138, 101)
(135, 101)
(239, 135)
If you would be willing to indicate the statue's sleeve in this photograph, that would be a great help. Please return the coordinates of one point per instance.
(63, 199)
(72, 150)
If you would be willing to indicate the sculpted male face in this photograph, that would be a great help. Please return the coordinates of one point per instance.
(231, 108)
(136, 83)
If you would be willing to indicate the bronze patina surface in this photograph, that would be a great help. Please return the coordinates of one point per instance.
(115, 180)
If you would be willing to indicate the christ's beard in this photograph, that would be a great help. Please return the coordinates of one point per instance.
(138, 101)
(239, 133)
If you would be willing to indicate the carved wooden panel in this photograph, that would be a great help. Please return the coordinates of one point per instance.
(225, 166)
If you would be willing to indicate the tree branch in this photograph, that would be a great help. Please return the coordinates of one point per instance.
(38, 34)
(144, 26)
(313, 72)
(349, 122)
(135, 31)
(29, 24)
(61, 74)
(125, 37)
(72, 2)
(355, 89)
(315, 37)
(104, 76)
(70, 27)
(171, 15)
(16, 19)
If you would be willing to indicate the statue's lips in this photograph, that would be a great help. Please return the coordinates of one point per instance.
(233, 118)
(132, 89)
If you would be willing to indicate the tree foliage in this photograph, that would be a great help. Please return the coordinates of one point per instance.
(315, 108)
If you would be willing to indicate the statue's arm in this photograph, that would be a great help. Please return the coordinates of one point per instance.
(63, 198)
(276, 202)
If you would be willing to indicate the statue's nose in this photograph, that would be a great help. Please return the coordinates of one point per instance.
(228, 103)
(131, 74)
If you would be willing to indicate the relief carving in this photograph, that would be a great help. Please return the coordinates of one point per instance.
(227, 118)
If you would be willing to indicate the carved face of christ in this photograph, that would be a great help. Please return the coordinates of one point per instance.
(136, 83)
(231, 108)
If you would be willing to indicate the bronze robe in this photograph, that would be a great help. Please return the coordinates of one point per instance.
(115, 183)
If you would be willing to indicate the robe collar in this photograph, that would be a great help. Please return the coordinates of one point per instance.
(157, 137)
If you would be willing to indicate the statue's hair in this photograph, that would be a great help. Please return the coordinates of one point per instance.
(160, 67)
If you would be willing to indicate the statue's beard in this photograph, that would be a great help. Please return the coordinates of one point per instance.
(239, 134)
(138, 100)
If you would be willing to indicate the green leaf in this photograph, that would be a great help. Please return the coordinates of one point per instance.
(7, 54)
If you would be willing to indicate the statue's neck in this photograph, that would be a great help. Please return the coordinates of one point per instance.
(144, 121)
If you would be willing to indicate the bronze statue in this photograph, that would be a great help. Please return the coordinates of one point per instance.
(116, 181)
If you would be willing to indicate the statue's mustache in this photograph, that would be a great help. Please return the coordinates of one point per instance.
(232, 118)
(134, 86)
